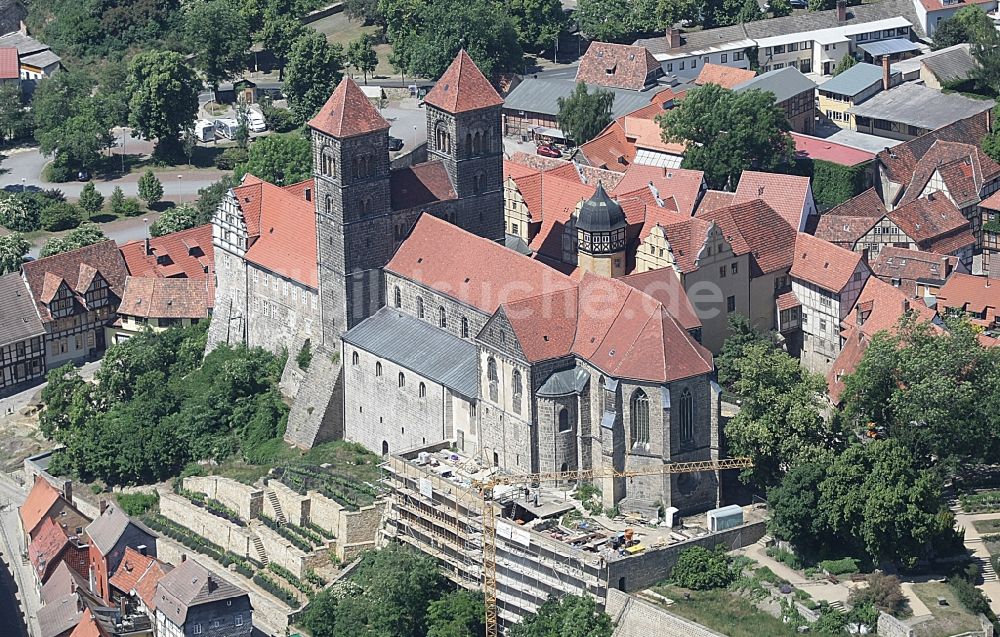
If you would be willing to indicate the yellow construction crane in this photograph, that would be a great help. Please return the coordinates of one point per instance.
(485, 488)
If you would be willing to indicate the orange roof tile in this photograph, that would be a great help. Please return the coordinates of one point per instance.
(514, 170)
(687, 238)
(685, 186)
(665, 286)
(618, 66)
(552, 201)
(715, 199)
(645, 133)
(610, 150)
(145, 588)
(48, 543)
(300, 189)
(755, 227)
(88, 626)
(131, 569)
(787, 301)
(348, 113)
(787, 194)
(463, 87)
(167, 298)
(39, 502)
(823, 264)
(973, 294)
(188, 253)
(724, 76)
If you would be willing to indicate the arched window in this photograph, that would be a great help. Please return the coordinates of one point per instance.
(465, 327)
(685, 415)
(442, 138)
(516, 390)
(640, 417)
(420, 307)
(600, 394)
(402, 380)
(355, 359)
(422, 390)
(442, 317)
(477, 143)
(397, 297)
(378, 368)
(329, 205)
(328, 164)
(492, 378)
(468, 143)
(385, 448)
(564, 420)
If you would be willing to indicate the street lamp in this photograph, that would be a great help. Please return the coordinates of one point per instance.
(180, 194)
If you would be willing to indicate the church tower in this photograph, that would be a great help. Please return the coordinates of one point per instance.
(463, 131)
(600, 235)
(350, 146)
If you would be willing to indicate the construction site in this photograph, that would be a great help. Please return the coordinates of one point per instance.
(529, 539)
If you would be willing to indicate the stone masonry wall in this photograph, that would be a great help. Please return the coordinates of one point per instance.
(247, 501)
(358, 531)
(211, 527)
(317, 413)
(280, 551)
(889, 626)
(324, 512)
(294, 506)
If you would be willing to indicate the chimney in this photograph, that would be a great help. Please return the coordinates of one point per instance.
(886, 74)
(67, 490)
(142, 549)
(673, 38)
(906, 305)
(309, 194)
(102, 506)
(149, 251)
(865, 255)
(841, 10)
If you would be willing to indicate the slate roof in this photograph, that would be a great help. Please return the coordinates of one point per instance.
(60, 615)
(24, 43)
(784, 83)
(67, 267)
(822, 263)
(537, 95)
(420, 347)
(18, 318)
(920, 106)
(952, 66)
(187, 253)
(722, 75)
(564, 383)
(854, 80)
(10, 67)
(796, 23)
(109, 527)
(788, 195)
(348, 113)
(189, 585)
(757, 228)
(419, 185)
(462, 88)
(617, 66)
(63, 581)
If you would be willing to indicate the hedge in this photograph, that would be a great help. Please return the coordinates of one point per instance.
(277, 590)
(840, 567)
(981, 502)
(277, 569)
(211, 505)
(833, 184)
(285, 531)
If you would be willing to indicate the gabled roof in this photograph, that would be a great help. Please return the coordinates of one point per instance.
(687, 238)
(906, 267)
(66, 267)
(10, 66)
(611, 149)
(683, 185)
(617, 65)
(348, 113)
(964, 168)
(722, 75)
(131, 569)
(49, 542)
(187, 253)
(665, 286)
(145, 588)
(18, 317)
(757, 228)
(930, 220)
(823, 264)
(60, 615)
(109, 527)
(844, 230)
(551, 200)
(190, 585)
(715, 199)
(974, 294)
(419, 185)
(88, 626)
(63, 581)
(40, 501)
(854, 80)
(167, 298)
(463, 87)
(783, 83)
(788, 195)
(955, 65)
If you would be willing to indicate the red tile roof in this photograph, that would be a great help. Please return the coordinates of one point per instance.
(645, 133)
(992, 202)
(755, 227)
(973, 294)
(419, 185)
(513, 169)
(63, 581)
(724, 76)
(145, 588)
(913, 265)
(867, 204)
(934, 223)
(39, 502)
(167, 298)
(685, 186)
(823, 264)
(348, 113)
(938, 5)
(302, 188)
(46, 274)
(715, 199)
(131, 569)
(665, 286)
(610, 150)
(618, 66)
(48, 543)
(662, 101)
(88, 626)
(568, 169)
(552, 201)
(809, 147)
(787, 301)
(787, 194)
(687, 238)
(463, 87)
(282, 230)
(187, 253)
(10, 64)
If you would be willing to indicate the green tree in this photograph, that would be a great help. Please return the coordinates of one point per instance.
(361, 55)
(62, 385)
(20, 213)
(698, 568)
(150, 188)
(70, 123)
(210, 197)
(780, 8)
(87, 234)
(968, 25)
(91, 201)
(537, 22)
(314, 69)
(111, 94)
(219, 34)
(118, 201)
(163, 98)
(401, 18)
(742, 334)
(990, 143)
(845, 63)
(567, 616)
(15, 120)
(884, 591)
(443, 27)
(280, 32)
(174, 219)
(727, 133)
(583, 115)
(794, 502)
(458, 614)
(606, 20)
(13, 248)
(279, 159)
(60, 216)
(720, 13)
(362, 10)
(242, 133)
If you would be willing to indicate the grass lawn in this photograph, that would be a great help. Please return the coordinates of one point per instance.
(948, 620)
(725, 612)
(340, 29)
(987, 527)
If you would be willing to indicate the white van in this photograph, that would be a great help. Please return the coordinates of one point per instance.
(204, 130)
(225, 128)
(255, 120)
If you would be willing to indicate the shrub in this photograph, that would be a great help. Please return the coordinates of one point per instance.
(229, 158)
(970, 596)
(91, 201)
(305, 356)
(698, 568)
(60, 216)
(138, 503)
(131, 207)
(830, 622)
(20, 213)
(276, 589)
(150, 188)
(840, 567)
(884, 591)
(787, 558)
(174, 220)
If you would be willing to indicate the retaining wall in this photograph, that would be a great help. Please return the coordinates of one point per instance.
(294, 506)
(211, 527)
(246, 500)
(281, 552)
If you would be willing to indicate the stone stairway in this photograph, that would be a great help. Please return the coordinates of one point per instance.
(989, 573)
(259, 547)
(838, 606)
(279, 515)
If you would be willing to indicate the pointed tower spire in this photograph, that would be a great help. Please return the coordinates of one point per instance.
(348, 112)
(463, 87)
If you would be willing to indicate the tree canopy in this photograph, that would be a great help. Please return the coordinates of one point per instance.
(71, 123)
(162, 95)
(174, 219)
(566, 616)
(970, 25)
(361, 55)
(845, 63)
(219, 35)
(537, 22)
(279, 159)
(13, 248)
(314, 70)
(87, 234)
(728, 132)
(583, 115)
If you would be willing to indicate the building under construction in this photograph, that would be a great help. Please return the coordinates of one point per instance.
(545, 544)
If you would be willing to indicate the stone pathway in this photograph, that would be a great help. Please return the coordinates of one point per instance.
(821, 590)
(974, 543)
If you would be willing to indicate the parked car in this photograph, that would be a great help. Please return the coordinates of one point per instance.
(83, 175)
(255, 120)
(395, 143)
(548, 150)
(799, 4)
